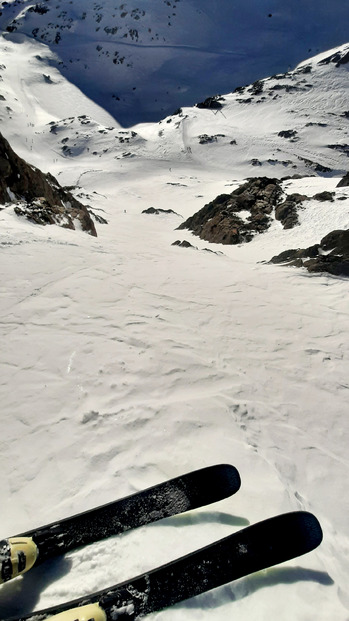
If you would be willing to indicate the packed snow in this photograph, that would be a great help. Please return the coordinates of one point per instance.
(126, 360)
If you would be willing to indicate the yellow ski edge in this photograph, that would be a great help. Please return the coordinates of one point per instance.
(17, 555)
(91, 612)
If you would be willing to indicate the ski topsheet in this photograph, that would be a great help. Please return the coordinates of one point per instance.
(257, 547)
(190, 491)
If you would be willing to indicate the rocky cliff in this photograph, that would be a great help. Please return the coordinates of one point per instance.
(38, 196)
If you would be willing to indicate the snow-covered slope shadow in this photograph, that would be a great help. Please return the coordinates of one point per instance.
(21, 595)
(142, 60)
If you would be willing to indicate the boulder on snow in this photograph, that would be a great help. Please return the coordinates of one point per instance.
(183, 244)
(158, 211)
(324, 196)
(221, 220)
(331, 255)
(212, 103)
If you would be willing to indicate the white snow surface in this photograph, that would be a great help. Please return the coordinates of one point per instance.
(126, 360)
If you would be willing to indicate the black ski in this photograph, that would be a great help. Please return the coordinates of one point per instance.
(257, 547)
(190, 491)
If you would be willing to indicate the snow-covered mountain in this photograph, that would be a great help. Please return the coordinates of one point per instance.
(142, 59)
(295, 122)
(126, 359)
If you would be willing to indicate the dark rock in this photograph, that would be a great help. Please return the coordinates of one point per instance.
(306, 69)
(205, 139)
(157, 211)
(337, 242)
(315, 165)
(296, 263)
(330, 256)
(338, 266)
(38, 193)
(212, 251)
(290, 255)
(338, 58)
(344, 59)
(324, 196)
(98, 218)
(278, 87)
(183, 244)
(312, 251)
(321, 169)
(287, 212)
(212, 103)
(219, 220)
(257, 87)
(240, 90)
(343, 182)
(342, 148)
(288, 133)
(40, 211)
(39, 8)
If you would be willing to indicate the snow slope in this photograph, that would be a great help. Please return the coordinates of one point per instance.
(126, 360)
(142, 59)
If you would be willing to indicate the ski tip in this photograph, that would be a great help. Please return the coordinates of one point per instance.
(223, 479)
(230, 478)
(209, 484)
(291, 534)
(310, 531)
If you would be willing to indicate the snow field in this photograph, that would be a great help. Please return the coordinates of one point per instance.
(134, 361)
(126, 361)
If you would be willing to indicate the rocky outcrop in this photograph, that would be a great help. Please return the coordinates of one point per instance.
(183, 244)
(38, 196)
(211, 103)
(324, 196)
(287, 211)
(344, 182)
(338, 58)
(331, 255)
(186, 244)
(157, 211)
(235, 218)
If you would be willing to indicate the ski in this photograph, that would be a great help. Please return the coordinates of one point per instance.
(256, 547)
(196, 489)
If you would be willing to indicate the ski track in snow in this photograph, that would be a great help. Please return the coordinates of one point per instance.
(126, 361)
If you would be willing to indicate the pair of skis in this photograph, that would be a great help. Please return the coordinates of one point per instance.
(256, 547)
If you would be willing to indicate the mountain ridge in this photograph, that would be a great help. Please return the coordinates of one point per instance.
(116, 53)
(285, 124)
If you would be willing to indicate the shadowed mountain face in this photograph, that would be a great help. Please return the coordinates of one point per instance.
(143, 59)
(38, 197)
